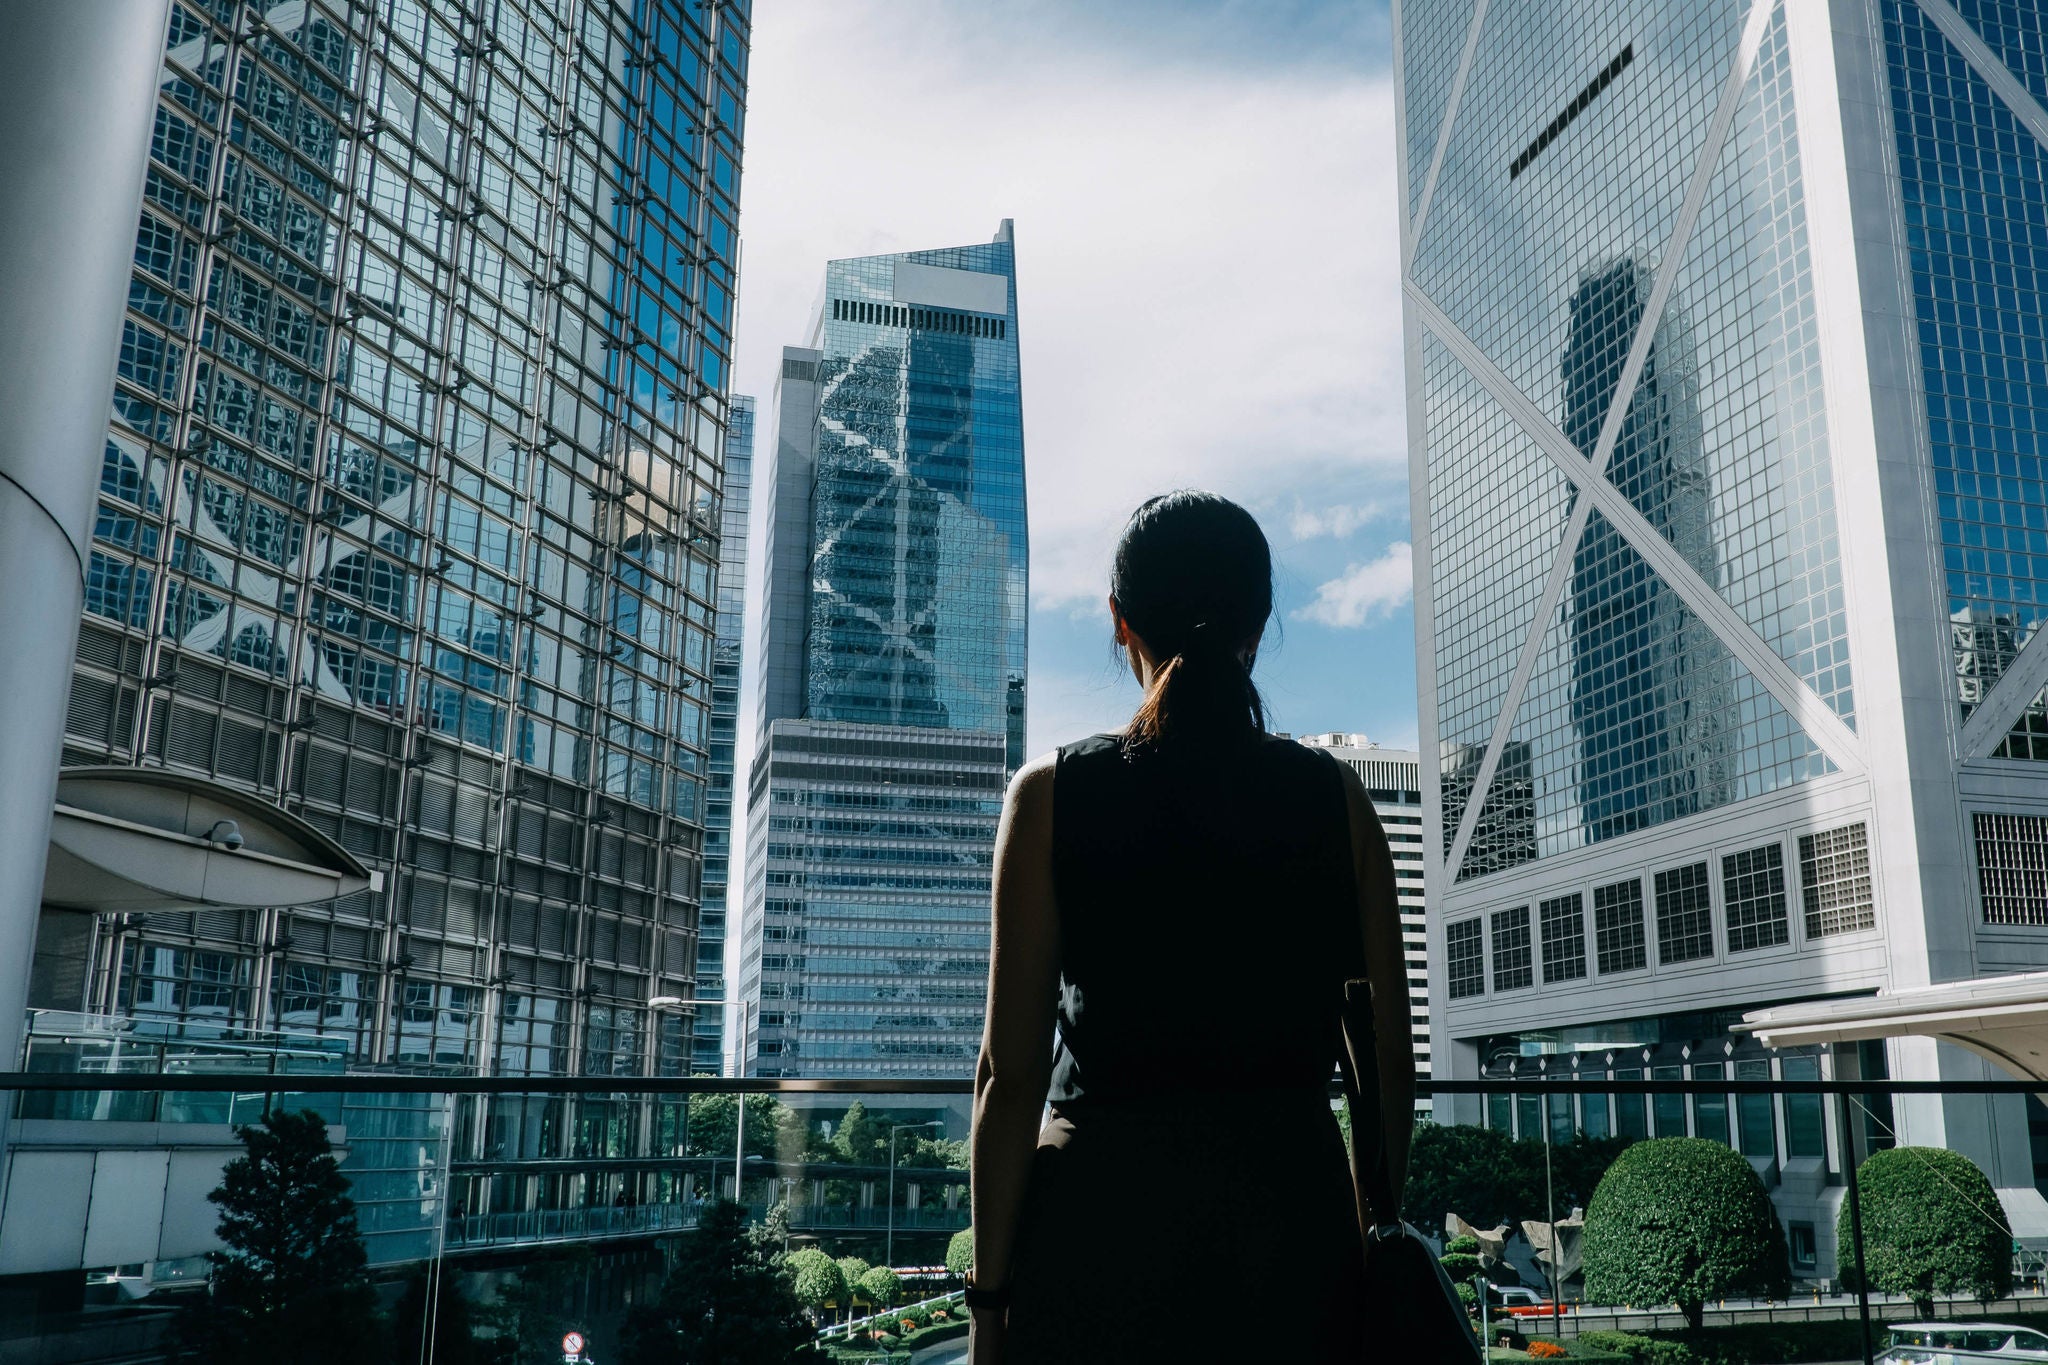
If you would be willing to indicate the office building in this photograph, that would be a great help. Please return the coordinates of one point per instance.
(892, 647)
(406, 549)
(1727, 400)
(1393, 778)
(708, 1051)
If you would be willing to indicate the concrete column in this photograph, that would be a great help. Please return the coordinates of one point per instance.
(78, 83)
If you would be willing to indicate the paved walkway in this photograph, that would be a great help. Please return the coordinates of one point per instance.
(945, 1353)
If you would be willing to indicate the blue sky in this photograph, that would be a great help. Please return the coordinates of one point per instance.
(1208, 288)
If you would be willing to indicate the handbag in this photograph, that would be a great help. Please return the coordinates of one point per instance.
(1408, 1304)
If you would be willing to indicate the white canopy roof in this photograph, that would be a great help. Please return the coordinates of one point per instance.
(2001, 1018)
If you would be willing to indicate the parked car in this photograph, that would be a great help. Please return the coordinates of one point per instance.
(1962, 1343)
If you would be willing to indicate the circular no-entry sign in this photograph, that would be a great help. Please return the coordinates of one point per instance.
(572, 1344)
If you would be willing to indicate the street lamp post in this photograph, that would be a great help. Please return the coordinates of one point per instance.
(675, 1004)
(889, 1243)
(739, 1156)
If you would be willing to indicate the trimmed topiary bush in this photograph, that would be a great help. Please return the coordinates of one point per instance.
(960, 1253)
(816, 1278)
(881, 1286)
(1683, 1221)
(1931, 1226)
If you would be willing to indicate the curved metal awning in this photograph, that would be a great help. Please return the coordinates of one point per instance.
(2003, 1019)
(142, 839)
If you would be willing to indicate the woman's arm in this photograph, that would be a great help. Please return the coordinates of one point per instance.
(1016, 1041)
(1379, 913)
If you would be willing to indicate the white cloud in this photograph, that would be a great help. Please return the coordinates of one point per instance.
(1364, 592)
(1336, 520)
(1208, 277)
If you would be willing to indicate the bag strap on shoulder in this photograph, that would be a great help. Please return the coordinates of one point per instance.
(1379, 1207)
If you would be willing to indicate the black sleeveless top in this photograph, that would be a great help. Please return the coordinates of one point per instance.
(1208, 919)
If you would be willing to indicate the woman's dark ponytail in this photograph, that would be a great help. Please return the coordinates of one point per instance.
(1194, 579)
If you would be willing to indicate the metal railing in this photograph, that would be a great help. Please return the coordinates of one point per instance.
(250, 1089)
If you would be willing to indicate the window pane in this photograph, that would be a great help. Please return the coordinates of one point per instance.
(1669, 1110)
(1629, 1120)
(1754, 1119)
(1710, 1112)
(1805, 1134)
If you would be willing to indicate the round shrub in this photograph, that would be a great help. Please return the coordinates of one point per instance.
(960, 1253)
(1468, 1245)
(853, 1267)
(1931, 1226)
(1682, 1220)
(816, 1278)
(881, 1286)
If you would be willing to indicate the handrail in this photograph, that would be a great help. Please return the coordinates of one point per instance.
(851, 1325)
(412, 1083)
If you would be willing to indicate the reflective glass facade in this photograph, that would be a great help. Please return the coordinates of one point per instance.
(411, 517)
(1729, 373)
(708, 1038)
(1974, 189)
(892, 653)
(1544, 248)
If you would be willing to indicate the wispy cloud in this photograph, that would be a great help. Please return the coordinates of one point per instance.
(1364, 592)
(1336, 520)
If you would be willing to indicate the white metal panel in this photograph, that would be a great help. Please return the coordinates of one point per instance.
(127, 1205)
(188, 1220)
(43, 1225)
(936, 286)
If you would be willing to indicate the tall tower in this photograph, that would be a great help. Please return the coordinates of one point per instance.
(892, 652)
(408, 527)
(1731, 524)
(708, 1051)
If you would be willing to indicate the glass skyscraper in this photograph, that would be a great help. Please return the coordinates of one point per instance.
(892, 653)
(708, 1039)
(410, 522)
(1727, 394)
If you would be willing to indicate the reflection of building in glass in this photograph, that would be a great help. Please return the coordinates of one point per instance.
(1393, 778)
(410, 524)
(892, 650)
(708, 1041)
(1647, 689)
(1697, 747)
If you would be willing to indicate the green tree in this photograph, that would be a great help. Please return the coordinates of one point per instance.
(774, 1132)
(852, 1267)
(1682, 1220)
(727, 1301)
(292, 1283)
(1931, 1226)
(930, 1154)
(860, 1138)
(531, 1312)
(881, 1286)
(816, 1278)
(446, 1335)
(960, 1253)
(1461, 1259)
(1472, 1172)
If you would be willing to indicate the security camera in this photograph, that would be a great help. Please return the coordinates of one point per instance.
(225, 833)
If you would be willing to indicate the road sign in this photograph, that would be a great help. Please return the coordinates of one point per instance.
(572, 1344)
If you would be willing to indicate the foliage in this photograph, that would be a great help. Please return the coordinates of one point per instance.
(881, 1286)
(1739, 1344)
(1486, 1178)
(1546, 1350)
(919, 1315)
(451, 1322)
(1682, 1220)
(1468, 1245)
(960, 1253)
(852, 1267)
(528, 1316)
(727, 1300)
(927, 1153)
(292, 1283)
(816, 1278)
(775, 1132)
(1931, 1226)
(1459, 1268)
(860, 1139)
(1467, 1295)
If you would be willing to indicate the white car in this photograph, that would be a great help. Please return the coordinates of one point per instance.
(1960, 1343)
